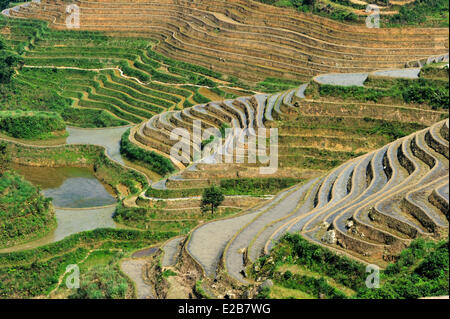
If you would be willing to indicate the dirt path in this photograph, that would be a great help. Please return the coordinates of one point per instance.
(133, 268)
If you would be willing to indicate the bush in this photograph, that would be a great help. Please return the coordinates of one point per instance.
(5, 3)
(418, 11)
(20, 124)
(35, 272)
(90, 118)
(420, 270)
(256, 186)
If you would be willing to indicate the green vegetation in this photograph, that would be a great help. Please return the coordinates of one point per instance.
(294, 263)
(30, 125)
(233, 186)
(149, 159)
(209, 140)
(90, 118)
(423, 13)
(103, 281)
(421, 270)
(300, 5)
(388, 129)
(223, 94)
(256, 186)
(4, 4)
(8, 62)
(424, 92)
(158, 218)
(437, 71)
(211, 199)
(361, 126)
(184, 65)
(21, 95)
(5, 158)
(168, 273)
(35, 272)
(97, 95)
(155, 219)
(197, 97)
(223, 127)
(24, 213)
(275, 85)
(199, 291)
(323, 8)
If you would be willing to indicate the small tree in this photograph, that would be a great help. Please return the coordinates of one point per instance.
(211, 199)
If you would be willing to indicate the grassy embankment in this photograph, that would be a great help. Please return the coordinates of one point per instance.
(36, 272)
(122, 180)
(301, 269)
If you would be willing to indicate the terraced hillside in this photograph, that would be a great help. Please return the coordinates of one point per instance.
(248, 39)
(94, 80)
(369, 208)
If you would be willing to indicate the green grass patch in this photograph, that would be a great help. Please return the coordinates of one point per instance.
(233, 186)
(91, 156)
(35, 272)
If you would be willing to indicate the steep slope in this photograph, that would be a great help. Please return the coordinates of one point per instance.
(248, 39)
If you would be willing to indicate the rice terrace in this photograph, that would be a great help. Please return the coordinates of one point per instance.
(224, 149)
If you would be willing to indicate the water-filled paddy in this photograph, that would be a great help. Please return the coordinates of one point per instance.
(69, 187)
(74, 189)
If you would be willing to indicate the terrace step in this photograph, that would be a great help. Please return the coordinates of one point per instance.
(172, 249)
(235, 259)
